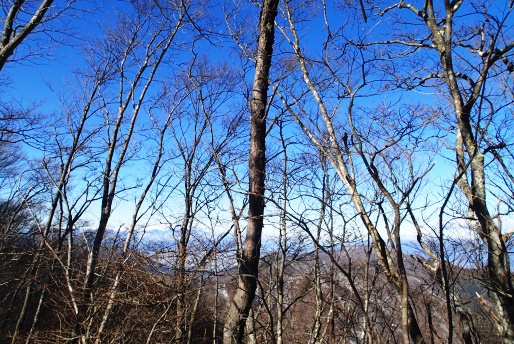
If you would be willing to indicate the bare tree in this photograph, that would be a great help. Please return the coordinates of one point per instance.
(364, 154)
(470, 57)
(132, 53)
(22, 18)
(249, 265)
(208, 88)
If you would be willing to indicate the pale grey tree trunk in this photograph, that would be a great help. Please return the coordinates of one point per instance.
(130, 99)
(470, 162)
(12, 34)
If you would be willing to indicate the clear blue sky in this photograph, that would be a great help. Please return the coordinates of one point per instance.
(42, 80)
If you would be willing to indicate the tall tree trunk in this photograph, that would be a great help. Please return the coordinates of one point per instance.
(471, 167)
(282, 244)
(248, 268)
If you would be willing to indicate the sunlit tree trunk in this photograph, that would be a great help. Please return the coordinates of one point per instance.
(134, 85)
(337, 150)
(249, 265)
(470, 156)
(14, 32)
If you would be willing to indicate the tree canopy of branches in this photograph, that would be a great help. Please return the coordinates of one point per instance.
(178, 186)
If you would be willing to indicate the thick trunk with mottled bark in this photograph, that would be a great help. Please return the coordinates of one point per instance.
(249, 265)
(470, 161)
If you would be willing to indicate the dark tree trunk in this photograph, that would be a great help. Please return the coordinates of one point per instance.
(249, 265)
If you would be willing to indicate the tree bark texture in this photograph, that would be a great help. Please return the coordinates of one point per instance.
(249, 264)
(470, 161)
(12, 39)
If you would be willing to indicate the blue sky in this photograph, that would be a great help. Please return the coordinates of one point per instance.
(43, 80)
